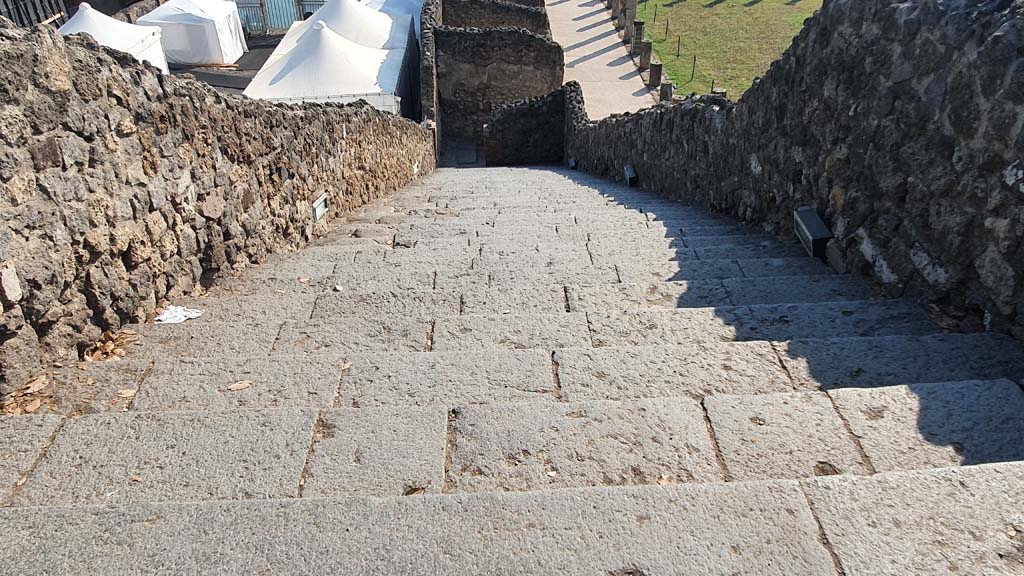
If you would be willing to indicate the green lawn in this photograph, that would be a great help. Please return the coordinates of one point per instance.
(734, 40)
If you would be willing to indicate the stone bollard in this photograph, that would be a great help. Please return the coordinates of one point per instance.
(666, 91)
(638, 37)
(654, 75)
(628, 16)
(646, 49)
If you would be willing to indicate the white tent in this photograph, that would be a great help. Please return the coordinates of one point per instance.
(410, 8)
(356, 22)
(194, 32)
(140, 41)
(326, 67)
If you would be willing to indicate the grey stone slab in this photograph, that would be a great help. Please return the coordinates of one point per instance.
(657, 256)
(363, 230)
(88, 387)
(581, 274)
(626, 244)
(694, 294)
(149, 456)
(782, 436)
(23, 440)
(795, 289)
(462, 280)
(254, 308)
(631, 271)
(291, 268)
(659, 371)
(406, 277)
(935, 425)
(532, 447)
(198, 339)
(762, 240)
(515, 251)
(787, 250)
(948, 521)
(417, 303)
(184, 384)
(769, 267)
(514, 300)
(345, 253)
(447, 378)
(823, 319)
(453, 255)
(378, 452)
(719, 229)
(532, 262)
(713, 529)
(657, 327)
(511, 230)
(866, 362)
(438, 244)
(354, 334)
(512, 331)
(262, 287)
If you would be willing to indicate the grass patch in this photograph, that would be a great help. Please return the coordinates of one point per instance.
(734, 40)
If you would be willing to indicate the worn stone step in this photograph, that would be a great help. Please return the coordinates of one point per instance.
(512, 447)
(796, 289)
(694, 370)
(418, 302)
(511, 331)
(120, 458)
(24, 436)
(764, 528)
(350, 335)
(880, 361)
(670, 271)
(758, 322)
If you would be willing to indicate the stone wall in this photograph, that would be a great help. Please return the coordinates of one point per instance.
(528, 132)
(900, 122)
(496, 14)
(479, 70)
(137, 10)
(121, 188)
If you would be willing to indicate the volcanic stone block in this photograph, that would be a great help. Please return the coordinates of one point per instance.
(378, 452)
(417, 303)
(23, 440)
(205, 383)
(531, 447)
(658, 371)
(349, 335)
(447, 378)
(118, 458)
(785, 436)
(513, 331)
(964, 520)
(514, 300)
(936, 425)
(611, 297)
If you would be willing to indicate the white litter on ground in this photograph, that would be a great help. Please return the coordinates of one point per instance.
(177, 315)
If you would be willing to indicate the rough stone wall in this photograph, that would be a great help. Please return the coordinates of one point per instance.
(527, 132)
(120, 188)
(900, 122)
(496, 14)
(137, 10)
(479, 70)
(430, 18)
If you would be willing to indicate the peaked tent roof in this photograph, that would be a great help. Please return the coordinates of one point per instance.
(143, 42)
(325, 65)
(106, 30)
(186, 11)
(358, 23)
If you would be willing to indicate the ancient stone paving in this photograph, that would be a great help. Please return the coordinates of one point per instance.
(530, 371)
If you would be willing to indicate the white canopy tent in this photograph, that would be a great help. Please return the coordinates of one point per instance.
(142, 42)
(194, 32)
(324, 66)
(356, 22)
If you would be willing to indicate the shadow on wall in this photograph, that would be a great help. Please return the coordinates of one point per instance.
(910, 395)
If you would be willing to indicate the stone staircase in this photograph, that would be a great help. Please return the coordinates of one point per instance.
(530, 371)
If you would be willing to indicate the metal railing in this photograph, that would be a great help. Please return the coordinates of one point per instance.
(32, 12)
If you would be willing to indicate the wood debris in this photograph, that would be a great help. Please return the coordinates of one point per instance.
(240, 385)
(29, 398)
(111, 346)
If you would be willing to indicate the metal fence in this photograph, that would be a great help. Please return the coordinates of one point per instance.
(32, 12)
(266, 15)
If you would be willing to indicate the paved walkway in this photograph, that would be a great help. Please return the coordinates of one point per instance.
(530, 372)
(596, 58)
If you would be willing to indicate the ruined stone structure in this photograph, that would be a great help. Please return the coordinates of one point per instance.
(482, 54)
(122, 188)
(899, 123)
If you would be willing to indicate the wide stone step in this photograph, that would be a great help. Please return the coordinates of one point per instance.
(688, 269)
(868, 362)
(760, 322)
